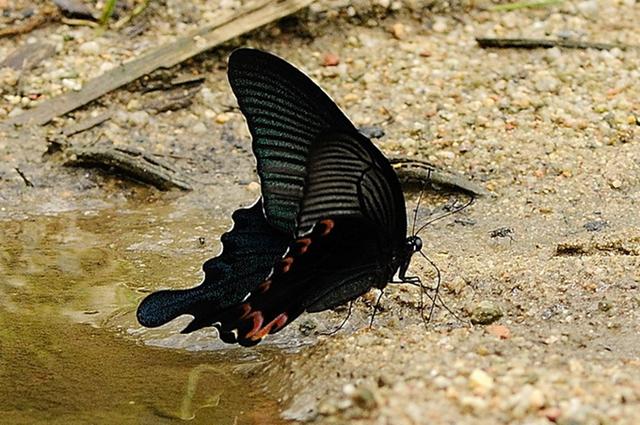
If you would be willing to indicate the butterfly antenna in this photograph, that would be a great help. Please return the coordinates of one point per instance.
(344, 322)
(415, 212)
(448, 213)
(375, 308)
(437, 296)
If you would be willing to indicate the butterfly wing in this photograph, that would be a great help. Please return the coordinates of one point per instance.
(349, 176)
(250, 249)
(285, 112)
(323, 183)
(352, 225)
(337, 261)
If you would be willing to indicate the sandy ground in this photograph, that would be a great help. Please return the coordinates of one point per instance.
(553, 134)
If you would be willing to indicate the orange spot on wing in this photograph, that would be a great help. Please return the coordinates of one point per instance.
(271, 327)
(279, 322)
(328, 226)
(258, 319)
(245, 309)
(303, 245)
(286, 264)
(264, 286)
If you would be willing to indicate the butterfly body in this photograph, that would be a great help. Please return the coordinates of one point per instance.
(330, 225)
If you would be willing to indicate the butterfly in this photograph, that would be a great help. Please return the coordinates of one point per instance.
(330, 224)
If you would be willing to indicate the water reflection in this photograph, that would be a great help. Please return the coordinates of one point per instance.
(70, 349)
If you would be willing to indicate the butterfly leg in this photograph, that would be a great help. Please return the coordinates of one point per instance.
(375, 308)
(413, 280)
(344, 322)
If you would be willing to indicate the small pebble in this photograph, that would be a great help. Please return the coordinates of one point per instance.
(545, 83)
(223, 118)
(71, 84)
(364, 398)
(595, 225)
(399, 31)
(330, 59)
(90, 48)
(480, 381)
(253, 187)
(588, 8)
(485, 313)
(139, 118)
(499, 331)
(200, 128)
(440, 25)
(604, 305)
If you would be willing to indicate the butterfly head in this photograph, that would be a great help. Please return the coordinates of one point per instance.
(412, 245)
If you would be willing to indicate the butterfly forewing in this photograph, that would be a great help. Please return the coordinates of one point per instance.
(286, 112)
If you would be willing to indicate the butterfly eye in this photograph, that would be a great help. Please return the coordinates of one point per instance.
(414, 244)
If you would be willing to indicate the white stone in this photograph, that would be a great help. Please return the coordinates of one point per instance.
(440, 25)
(71, 84)
(90, 48)
(480, 381)
(139, 118)
(588, 8)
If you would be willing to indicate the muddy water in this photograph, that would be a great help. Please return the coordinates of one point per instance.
(70, 348)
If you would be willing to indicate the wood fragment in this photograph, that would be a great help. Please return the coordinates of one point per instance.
(229, 25)
(524, 5)
(531, 43)
(48, 14)
(136, 12)
(134, 165)
(79, 22)
(164, 80)
(86, 124)
(417, 172)
(28, 56)
(172, 100)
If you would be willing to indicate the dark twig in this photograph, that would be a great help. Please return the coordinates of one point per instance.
(27, 182)
(532, 43)
(415, 171)
(86, 124)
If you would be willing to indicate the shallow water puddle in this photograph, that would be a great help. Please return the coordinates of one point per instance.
(70, 348)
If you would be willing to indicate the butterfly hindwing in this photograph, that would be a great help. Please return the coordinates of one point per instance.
(250, 249)
(337, 261)
(348, 176)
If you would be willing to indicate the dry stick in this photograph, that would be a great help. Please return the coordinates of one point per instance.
(133, 165)
(530, 43)
(524, 4)
(86, 124)
(415, 171)
(48, 14)
(228, 26)
(24, 178)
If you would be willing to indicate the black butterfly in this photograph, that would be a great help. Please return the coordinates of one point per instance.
(330, 225)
